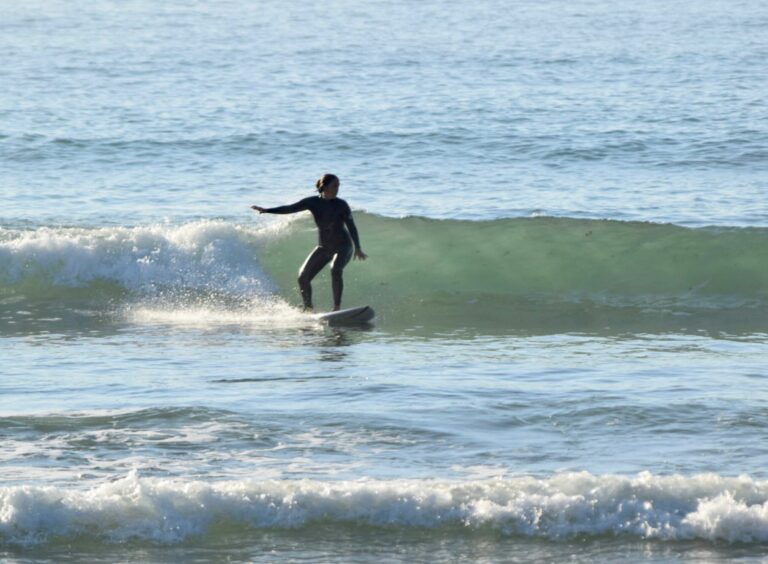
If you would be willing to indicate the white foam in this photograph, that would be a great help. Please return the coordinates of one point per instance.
(708, 507)
(270, 312)
(199, 255)
(195, 274)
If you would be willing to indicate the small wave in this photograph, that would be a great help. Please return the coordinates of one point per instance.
(145, 418)
(707, 507)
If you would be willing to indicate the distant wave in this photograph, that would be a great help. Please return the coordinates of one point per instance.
(737, 149)
(428, 270)
(166, 511)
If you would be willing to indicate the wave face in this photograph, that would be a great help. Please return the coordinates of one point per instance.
(509, 272)
(557, 271)
(569, 259)
(708, 507)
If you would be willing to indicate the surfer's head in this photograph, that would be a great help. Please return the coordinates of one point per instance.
(328, 186)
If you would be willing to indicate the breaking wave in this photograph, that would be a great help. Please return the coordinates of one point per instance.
(444, 272)
(708, 507)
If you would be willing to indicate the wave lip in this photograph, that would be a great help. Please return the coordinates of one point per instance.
(667, 508)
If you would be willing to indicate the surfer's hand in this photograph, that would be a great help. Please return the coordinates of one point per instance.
(360, 255)
(258, 209)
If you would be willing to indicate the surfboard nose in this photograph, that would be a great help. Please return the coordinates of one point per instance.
(349, 316)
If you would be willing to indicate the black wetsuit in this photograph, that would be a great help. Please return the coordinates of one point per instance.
(336, 233)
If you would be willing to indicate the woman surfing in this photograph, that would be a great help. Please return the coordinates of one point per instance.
(336, 235)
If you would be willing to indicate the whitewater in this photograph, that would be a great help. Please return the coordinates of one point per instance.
(564, 208)
(567, 505)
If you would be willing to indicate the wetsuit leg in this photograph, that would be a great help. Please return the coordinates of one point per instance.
(340, 260)
(315, 262)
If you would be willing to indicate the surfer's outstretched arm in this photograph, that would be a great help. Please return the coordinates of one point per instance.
(292, 208)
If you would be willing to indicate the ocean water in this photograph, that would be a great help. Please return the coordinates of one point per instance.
(565, 206)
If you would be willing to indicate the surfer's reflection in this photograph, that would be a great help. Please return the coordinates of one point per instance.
(333, 343)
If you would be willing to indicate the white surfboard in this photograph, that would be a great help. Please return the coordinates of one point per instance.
(349, 316)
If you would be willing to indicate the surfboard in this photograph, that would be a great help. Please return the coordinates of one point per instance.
(349, 316)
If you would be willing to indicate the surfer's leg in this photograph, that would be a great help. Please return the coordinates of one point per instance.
(340, 260)
(315, 262)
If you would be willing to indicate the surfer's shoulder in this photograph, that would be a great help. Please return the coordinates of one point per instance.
(310, 201)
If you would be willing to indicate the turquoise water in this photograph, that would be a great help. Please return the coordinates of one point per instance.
(565, 210)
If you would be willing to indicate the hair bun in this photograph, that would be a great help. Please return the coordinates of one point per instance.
(325, 180)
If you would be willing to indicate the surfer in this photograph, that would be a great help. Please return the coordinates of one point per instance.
(336, 235)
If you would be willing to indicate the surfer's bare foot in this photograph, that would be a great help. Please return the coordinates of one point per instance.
(336, 308)
(308, 309)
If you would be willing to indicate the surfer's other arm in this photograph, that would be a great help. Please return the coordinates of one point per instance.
(352, 228)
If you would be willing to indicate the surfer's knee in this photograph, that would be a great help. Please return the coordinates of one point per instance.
(337, 270)
(338, 264)
(305, 274)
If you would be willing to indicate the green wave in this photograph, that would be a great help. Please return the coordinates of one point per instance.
(537, 275)
(540, 270)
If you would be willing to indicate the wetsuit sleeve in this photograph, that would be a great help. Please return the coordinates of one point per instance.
(350, 223)
(292, 208)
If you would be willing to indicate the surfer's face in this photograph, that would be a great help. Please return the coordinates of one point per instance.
(331, 191)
